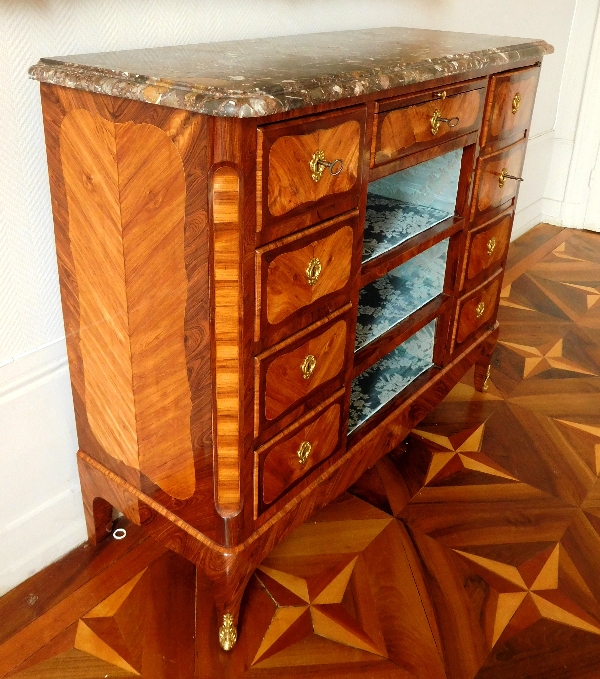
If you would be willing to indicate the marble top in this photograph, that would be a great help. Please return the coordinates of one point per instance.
(253, 78)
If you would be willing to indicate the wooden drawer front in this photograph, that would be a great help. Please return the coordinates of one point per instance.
(297, 374)
(477, 309)
(290, 186)
(407, 130)
(489, 193)
(298, 275)
(292, 455)
(487, 247)
(510, 106)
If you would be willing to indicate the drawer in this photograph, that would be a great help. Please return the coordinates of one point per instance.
(411, 128)
(309, 170)
(493, 192)
(486, 249)
(302, 371)
(303, 277)
(290, 457)
(510, 106)
(476, 311)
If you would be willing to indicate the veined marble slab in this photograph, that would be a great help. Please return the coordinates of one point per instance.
(253, 78)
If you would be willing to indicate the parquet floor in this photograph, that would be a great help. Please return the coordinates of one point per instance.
(471, 553)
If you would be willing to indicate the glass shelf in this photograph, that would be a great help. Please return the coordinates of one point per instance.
(391, 375)
(409, 202)
(395, 296)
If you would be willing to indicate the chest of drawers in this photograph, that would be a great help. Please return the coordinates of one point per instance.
(275, 258)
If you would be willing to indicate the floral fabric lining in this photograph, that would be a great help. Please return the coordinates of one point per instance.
(390, 222)
(393, 297)
(392, 374)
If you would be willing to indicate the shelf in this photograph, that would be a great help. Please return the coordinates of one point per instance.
(392, 298)
(381, 383)
(390, 222)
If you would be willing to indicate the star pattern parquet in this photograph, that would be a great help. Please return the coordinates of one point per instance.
(471, 552)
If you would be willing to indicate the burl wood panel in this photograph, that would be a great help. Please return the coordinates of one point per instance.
(511, 97)
(285, 383)
(290, 182)
(226, 249)
(278, 463)
(477, 310)
(126, 191)
(488, 245)
(287, 286)
(319, 201)
(488, 194)
(407, 130)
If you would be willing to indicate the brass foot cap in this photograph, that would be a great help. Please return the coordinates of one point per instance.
(227, 633)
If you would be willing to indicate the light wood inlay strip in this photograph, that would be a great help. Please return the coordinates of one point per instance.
(226, 323)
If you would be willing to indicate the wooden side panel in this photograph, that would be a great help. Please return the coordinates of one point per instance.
(89, 164)
(125, 189)
(226, 249)
(287, 286)
(153, 196)
(407, 130)
(290, 180)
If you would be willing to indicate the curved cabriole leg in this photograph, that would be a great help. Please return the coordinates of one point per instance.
(228, 590)
(482, 377)
(483, 370)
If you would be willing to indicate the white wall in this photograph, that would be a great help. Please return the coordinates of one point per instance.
(40, 505)
(577, 134)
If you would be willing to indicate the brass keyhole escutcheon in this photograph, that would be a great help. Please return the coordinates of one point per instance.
(303, 452)
(504, 176)
(491, 246)
(480, 309)
(313, 271)
(437, 120)
(308, 366)
(516, 103)
(318, 164)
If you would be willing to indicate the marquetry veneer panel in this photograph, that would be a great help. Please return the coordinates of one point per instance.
(409, 129)
(511, 100)
(131, 336)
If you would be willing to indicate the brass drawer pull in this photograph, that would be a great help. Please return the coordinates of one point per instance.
(303, 452)
(516, 103)
(491, 245)
(308, 366)
(504, 176)
(313, 271)
(480, 309)
(318, 163)
(437, 120)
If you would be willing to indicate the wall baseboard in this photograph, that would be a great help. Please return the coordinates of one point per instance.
(40, 537)
(42, 512)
